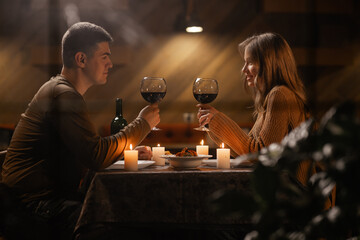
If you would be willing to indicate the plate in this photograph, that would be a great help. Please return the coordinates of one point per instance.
(141, 164)
(233, 163)
(185, 162)
(213, 162)
(174, 157)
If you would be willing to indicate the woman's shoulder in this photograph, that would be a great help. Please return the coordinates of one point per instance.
(283, 91)
(282, 95)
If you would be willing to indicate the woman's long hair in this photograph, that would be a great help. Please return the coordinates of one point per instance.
(277, 67)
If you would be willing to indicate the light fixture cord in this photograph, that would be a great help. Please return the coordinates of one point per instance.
(189, 9)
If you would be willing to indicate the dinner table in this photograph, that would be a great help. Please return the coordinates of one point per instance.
(162, 202)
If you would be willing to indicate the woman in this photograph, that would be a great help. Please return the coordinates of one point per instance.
(279, 97)
(279, 102)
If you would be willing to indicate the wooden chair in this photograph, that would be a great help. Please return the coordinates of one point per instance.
(2, 159)
(23, 225)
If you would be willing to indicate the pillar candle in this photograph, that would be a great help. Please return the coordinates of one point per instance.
(202, 149)
(223, 157)
(131, 159)
(157, 152)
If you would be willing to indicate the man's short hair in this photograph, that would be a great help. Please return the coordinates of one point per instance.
(82, 37)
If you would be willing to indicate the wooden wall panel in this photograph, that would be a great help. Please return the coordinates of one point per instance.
(148, 44)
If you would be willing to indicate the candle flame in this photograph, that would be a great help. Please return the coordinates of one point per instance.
(222, 145)
(158, 145)
(202, 142)
(130, 146)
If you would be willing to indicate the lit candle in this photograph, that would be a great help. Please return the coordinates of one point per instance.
(157, 152)
(131, 159)
(223, 157)
(202, 149)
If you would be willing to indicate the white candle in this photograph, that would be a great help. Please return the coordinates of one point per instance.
(157, 152)
(223, 157)
(202, 149)
(131, 159)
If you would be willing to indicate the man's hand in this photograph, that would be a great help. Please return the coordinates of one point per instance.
(144, 152)
(151, 114)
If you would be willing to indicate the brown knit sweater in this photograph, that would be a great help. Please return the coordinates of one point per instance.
(283, 112)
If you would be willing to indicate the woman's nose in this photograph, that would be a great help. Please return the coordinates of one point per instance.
(244, 68)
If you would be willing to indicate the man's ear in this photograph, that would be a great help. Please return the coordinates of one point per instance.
(80, 59)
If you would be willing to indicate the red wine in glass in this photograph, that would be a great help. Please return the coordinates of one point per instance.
(153, 90)
(153, 97)
(205, 97)
(205, 91)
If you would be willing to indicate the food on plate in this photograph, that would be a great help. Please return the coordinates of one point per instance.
(186, 153)
(168, 153)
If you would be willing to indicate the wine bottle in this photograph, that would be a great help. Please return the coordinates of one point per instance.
(119, 121)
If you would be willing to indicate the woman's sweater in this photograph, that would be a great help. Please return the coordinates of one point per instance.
(283, 112)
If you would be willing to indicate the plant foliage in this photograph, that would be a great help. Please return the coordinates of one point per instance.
(281, 207)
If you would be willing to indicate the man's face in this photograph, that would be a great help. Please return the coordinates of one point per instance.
(98, 65)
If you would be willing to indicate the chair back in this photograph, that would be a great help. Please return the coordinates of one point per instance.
(2, 159)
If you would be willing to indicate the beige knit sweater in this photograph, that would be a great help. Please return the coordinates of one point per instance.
(283, 112)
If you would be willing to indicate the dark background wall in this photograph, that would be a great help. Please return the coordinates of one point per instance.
(149, 41)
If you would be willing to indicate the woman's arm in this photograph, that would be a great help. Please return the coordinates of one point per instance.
(222, 129)
(271, 126)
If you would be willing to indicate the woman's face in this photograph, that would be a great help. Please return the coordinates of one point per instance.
(250, 69)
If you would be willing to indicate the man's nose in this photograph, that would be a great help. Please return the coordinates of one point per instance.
(110, 64)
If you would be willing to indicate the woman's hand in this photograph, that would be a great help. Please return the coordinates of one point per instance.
(205, 113)
(144, 152)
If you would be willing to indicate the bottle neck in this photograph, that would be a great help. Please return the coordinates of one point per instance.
(118, 107)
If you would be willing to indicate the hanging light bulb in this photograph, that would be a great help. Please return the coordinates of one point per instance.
(193, 24)
(194, 29)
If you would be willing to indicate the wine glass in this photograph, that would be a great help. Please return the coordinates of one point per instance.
(205, 91)
(153, 90)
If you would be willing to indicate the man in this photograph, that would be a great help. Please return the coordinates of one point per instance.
(55, 142)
